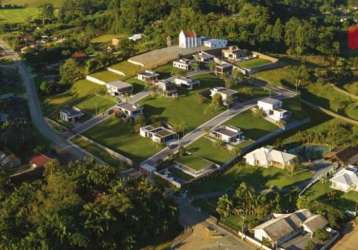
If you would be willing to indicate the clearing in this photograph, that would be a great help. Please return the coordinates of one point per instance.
(20, 15)
(253, 63)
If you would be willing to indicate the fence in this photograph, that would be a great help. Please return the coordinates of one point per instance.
(95, 80)
(118, 72)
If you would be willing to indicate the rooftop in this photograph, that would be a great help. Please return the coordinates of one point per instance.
(270, 100)
(71, 111)
(149, 73)
(128, 106)
(40, 160)
(228, 131)
(119, 84)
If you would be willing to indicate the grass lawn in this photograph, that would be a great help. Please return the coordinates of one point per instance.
(137, 84)
(253, 126)
(194, 162)
(207, 149)
(119, 136)
(18, 15)
(253, 63)
(186, 110)
(294, 105)
(107, 38)
(165, 71)
(127, 68)
(33, 3)
(279, 77)
(106, 76)
(98, 152)
(340, 200)
(259, 178)
(247, 92)
(83, 94)
(352, 88)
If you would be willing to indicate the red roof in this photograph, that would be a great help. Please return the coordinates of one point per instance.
(190, 34)
(40, 160)
(79, 55)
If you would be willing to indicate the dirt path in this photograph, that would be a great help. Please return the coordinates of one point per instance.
(350, 240)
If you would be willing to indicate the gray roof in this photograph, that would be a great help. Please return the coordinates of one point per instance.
(71, 112)
(119, 84)
(128, 106)
(228, 132)
(270, 100)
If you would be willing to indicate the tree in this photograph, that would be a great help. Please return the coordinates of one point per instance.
(310, 245)
(45, 87)
(47, 12)
(224, 206)
(321, 235)
(70, 72)
(217, 101)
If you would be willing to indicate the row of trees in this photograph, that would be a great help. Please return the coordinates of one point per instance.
(83, 206)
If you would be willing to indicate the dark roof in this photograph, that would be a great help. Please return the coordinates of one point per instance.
(347, 155)
(40, 160)
(71, 112)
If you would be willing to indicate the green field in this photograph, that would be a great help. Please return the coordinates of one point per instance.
(18, 15)
(279, 77)
(253, 126)
(352, 88)
(120, 137)
(98, 152)
(253, 63)
(259, 178)
(127, 68)
(248, 92)
(194, 162)
(85, 95)
(107, 38)
(106, 76)
(33, 3)
(186, 111)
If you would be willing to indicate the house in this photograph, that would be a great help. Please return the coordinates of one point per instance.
(343, 156)
(204, 57)
(158, 134)
(186, 82)
(79, 56)
(167, 88)
(71, 115)
(135, 37)
(223, 68)
(148, 76)
(286, 227)
(233, 53)
(183, 64)
(273, 109)
(129, 110)
(189, 39)
(119, 88)
(39, 161)
(266, 157)
(345, 180)
(215, 43)
(228, 134)
(228, 96)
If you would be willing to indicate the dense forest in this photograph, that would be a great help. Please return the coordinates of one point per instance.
(83, 206)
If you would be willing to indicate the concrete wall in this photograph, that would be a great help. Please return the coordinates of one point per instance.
(95, 80)
(118, 72)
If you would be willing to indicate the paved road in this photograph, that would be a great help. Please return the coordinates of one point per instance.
(35, 108)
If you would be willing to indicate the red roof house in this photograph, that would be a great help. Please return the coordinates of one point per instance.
(39, 161)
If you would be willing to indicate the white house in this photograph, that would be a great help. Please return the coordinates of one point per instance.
(223, 68)
(215, 43)
(136, 37)
(273, 109)
(233, 53)
(183, 64)
(148, 76)
(129, 110)
(119, 88)
(228, 134)
(158, 134)
(345, 180)
(266, 157)
(186, 82)
(71, 115)
(285, 227)
(167, 88)
(204, 57)
(228, 96)
(189, 40)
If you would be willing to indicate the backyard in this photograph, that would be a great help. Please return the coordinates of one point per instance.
(252, 124)
(106, 76)
(83, 94)
(129, 69)
(279, 77)
(120, 137)
(253, 63)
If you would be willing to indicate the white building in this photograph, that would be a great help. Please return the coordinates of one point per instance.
(148, 76)
(129, 110)
(267, 157)
(215, 43)
(136, 37)
(186, 82)
(167, 88)
(119, 88)
(233, 53)
(345, 180)
(273, 109)
(183, 64)
(228, 96)
(189, 40)
(158, 134)
(228, 134)
(71, 115)
(284, 227)
(204, 57)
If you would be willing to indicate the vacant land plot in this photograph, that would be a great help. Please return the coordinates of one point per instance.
(83, 94)
(352, 88)
(106, 76)
(253, 125)
(280, 76)
(107, 38)
(253, 63)
(194, 162)
(247, 92)
(120, 137)
(129, 69)
(187, 110)
(18, 15)
(98, 152)
(259, 178)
